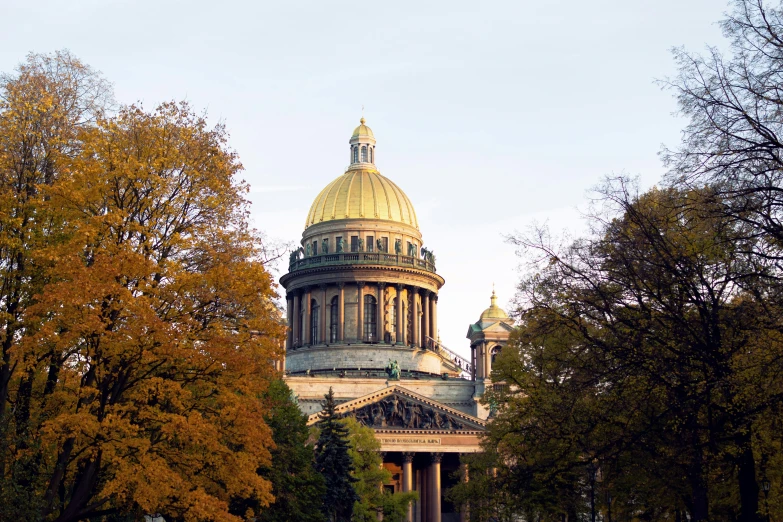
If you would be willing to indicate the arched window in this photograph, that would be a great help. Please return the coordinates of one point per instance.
(364, 153)
(314, 313)
(370, 318)
(372, 150)
(334, 317)
(494, 353)
(356, 155)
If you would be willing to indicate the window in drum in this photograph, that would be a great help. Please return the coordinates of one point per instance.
(370, 318)
(314, 312)
(385, 244)
(354, 243)
(364, 154)
(355, 155)
(334, 317)
(315, 247)
(370, 244)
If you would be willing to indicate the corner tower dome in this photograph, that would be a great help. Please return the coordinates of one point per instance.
(362, 192)
(494, 311)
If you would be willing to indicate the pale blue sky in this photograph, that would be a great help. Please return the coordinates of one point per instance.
(489, 115)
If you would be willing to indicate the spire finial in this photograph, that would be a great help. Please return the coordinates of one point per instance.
(362, 120)
(494, 299)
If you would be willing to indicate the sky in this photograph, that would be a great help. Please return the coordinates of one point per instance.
(492, 116)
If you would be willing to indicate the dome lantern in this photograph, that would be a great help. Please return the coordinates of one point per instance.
(362, 147)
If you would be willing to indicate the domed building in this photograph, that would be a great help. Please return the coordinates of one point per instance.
(362, 309)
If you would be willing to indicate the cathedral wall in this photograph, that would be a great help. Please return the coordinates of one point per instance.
(368, 356)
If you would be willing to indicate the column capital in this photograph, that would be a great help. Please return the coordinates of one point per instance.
(400, 286)
(322, 286)
(381, 285)
(360, 283)
(341, 285)
(435, 458)
(408, 457)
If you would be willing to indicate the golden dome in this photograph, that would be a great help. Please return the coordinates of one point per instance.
(494, 312)
(362, 193)
(362, 130)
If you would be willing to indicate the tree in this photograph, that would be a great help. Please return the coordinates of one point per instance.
(364, 450)
(641, 362)
(734, 137)
(138, 325)
(295, 482)
(334, 463)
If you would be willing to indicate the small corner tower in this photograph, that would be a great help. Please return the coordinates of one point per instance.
(487, 338)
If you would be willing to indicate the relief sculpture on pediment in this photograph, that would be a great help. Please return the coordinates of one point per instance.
(398, 412)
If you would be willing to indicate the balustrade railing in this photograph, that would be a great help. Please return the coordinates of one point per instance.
(360, 258)
(466, 369)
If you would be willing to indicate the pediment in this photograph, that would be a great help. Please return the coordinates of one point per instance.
(397, 408)
(499, 327)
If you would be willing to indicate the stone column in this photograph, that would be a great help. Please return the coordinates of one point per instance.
(360, 311)
(415, 330)
(322, 327)
(380, 311)
(423, 508)
(297, 318)
(435, 316)
(425, 306)
(479, 361)
(400, 318)
(289, 338)
(308, 312)
(464, 513)
(341, 312)
(487, 361)
(407, 481)
(434, 490)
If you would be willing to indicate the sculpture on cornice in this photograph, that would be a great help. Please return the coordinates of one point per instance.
(308, 252)
(325, 246)
(339, 244)
(398, 412)
(379, 245)
(393, 370)
(398, 246)
(361, 245)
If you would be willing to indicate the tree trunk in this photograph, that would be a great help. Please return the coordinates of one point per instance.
(746, 476)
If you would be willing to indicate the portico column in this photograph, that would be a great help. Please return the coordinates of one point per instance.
(435, 316)
(289, 338)
(360, 311)
(425, 306)
(480, 361)
(380, 311)
(434, 490)
(464, 513)
(398, 306)
(297, 318)
(407, 481)
(341, 312)
(308, 312)
(322, 320)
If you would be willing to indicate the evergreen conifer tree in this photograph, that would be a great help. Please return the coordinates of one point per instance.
(333, 461)
(296, 485)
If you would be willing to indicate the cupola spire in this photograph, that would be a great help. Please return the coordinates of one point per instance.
(362, 147)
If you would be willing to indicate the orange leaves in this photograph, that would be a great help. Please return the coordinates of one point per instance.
(149, 340)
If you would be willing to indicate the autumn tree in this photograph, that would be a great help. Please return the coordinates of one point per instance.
(138, 326)
(645, 360)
